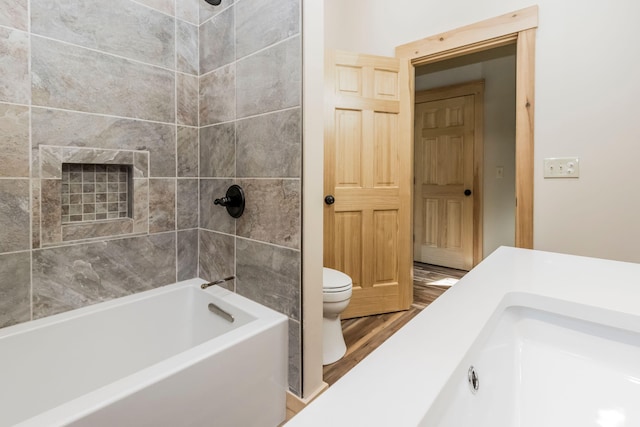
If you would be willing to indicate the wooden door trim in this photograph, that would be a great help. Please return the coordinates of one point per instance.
(525, 88)
(472, 36)
(516, 27)
(475, 88)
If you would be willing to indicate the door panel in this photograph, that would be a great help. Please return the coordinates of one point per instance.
(348, 148)
(348, 244)
(385, 245)
(385, 150)
(367, 230)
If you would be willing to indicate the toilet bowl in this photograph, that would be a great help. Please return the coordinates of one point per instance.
(336, 293)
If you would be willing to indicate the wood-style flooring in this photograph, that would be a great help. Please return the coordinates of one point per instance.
(364, 334)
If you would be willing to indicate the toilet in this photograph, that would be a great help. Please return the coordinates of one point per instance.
(336, 293)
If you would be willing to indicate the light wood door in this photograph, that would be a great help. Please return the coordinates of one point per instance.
(444, 182)
(367, 169)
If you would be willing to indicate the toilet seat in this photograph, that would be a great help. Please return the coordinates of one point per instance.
(334, 290)
(335, 281)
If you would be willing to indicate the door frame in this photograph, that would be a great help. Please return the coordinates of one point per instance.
(517, 27)
(475, 88)
(520, 26)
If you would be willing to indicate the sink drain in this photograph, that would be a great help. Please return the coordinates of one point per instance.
(474, 381)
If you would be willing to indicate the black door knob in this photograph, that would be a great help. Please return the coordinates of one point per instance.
(467, 192)
(329, 199)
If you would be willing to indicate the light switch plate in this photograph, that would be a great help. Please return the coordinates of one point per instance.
(562, 167)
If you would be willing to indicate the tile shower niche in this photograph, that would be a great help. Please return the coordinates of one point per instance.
(93, 192)
(88, 193)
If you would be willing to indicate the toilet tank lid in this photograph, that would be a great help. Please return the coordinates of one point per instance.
(334, 279)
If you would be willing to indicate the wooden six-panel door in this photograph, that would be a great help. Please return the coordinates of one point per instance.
(445, 189)
(367, 169)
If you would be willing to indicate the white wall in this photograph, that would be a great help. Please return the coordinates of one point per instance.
(497, 69)
(499, 150)
(587, 68)
(312, 203)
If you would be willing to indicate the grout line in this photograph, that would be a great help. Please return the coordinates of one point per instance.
(16, 103)
(236, 60)
(253, 116)
(254, 178)
(279, 42)
(177, 158)
(236, 237)
(198, 175)
(157, 10)
(28, 30)
(235, 141)
(214, 16)
(31, 172)
(265, 243)
(111, 116)
(102, 52)
(104, 239)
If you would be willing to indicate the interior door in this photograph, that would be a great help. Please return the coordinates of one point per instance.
(367, 179)
(444, 182)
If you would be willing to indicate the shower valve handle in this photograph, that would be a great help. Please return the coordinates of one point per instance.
(233, 201)
(224, 201)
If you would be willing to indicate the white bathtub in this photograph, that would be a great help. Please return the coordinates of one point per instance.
(554, 340)
(158, 358)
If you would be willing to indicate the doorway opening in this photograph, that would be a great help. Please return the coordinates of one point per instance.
(464, 157)
(517, 28)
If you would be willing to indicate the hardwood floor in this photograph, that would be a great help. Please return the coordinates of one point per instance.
(364, 334)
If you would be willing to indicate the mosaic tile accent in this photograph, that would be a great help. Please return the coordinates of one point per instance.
(95, 192)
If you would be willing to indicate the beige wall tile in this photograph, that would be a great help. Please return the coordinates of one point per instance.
(14, 14)
(14, 66)
(14, 215)
(15, 288)
(14, 141)
(75, 78)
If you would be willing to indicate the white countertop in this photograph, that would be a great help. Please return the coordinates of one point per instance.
(396, 384)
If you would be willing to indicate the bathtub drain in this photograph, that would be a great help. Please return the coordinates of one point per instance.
(474, 381)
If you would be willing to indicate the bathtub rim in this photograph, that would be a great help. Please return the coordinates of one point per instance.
(77, 408)
(214, 290)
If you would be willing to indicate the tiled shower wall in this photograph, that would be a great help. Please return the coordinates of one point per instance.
(210, 94)
(250, 134)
